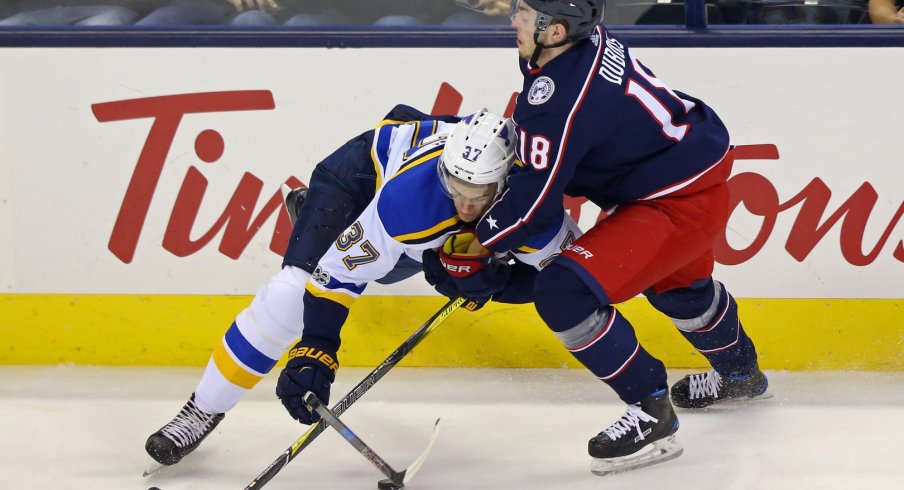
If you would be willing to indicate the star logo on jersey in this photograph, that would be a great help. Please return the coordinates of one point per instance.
(540, 91)
(492, 222)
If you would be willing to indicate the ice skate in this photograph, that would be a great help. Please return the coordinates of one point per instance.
(182, 435)
(704, 389)
(643, 436)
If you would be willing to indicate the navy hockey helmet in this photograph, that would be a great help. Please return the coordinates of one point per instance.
(579, 16)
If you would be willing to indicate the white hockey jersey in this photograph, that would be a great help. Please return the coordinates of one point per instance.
(409, 214)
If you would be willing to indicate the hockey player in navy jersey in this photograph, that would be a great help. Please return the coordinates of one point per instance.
(595, 122)
(371, 211)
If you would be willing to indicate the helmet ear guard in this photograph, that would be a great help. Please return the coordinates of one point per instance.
(579, 16)
(479, 151)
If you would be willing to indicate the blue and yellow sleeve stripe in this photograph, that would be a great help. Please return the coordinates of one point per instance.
(335, 291)
(239, 361)
(379, 152)
(443, 227)
(417, 161)
(422, 130)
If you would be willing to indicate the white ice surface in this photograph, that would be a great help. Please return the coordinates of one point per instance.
(84, 428)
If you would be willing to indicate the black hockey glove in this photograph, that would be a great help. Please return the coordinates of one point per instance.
(477, 276)
(436, 274)
(312, 367)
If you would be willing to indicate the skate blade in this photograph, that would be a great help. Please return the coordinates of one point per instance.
(659, 452)
(761, 397)
(152, 468)
(734, 403)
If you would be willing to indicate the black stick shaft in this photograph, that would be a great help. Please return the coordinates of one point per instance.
(353, 439)
(357, 392)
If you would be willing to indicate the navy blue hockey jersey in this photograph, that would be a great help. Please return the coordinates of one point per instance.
(595, 122)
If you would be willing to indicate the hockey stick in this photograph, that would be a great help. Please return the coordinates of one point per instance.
(397, 479)
(357, 392)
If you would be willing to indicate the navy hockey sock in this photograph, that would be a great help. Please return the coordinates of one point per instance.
(605, 343)
(707, 316)
(597, 335)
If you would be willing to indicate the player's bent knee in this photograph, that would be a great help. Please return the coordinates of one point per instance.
(324, 214)
(588, 329)
(691, 308)
(277, 307)
(563, 299)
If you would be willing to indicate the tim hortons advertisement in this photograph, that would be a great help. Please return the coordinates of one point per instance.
(157, 171)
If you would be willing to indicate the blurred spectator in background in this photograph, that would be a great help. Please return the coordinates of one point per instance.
(299, 13)
(886, 11)
(671, 12)
(435, 12)
(74, 12)
(480, 12)
(490, 7)
(125, 12)
(202, 12)
(157, 12)
(377, 12)
(801, 11)
(165, 13)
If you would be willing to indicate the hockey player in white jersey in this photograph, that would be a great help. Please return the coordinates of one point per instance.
(372, 209)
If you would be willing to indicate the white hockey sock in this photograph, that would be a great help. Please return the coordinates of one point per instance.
(254, 342)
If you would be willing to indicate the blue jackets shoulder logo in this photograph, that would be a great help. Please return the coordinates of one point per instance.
(541, 90)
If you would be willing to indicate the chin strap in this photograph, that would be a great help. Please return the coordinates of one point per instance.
(540, 46)
(537, 49)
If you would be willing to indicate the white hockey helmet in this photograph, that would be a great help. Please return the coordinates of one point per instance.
(480, 150)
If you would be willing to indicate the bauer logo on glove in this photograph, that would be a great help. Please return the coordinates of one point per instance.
(477, 277)
(455, 258)
(308, 351)
(312, 367)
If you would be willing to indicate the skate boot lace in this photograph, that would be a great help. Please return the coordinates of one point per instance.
(704, 384)
(630, 420)
(190, 425)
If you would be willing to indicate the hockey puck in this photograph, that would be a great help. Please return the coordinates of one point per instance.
(388, 484)
(153, 488)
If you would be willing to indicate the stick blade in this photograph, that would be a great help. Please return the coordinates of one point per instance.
(387, 484)
(408, 473)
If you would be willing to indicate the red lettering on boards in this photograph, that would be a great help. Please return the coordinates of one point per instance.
(167, 112)
(239, 224)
